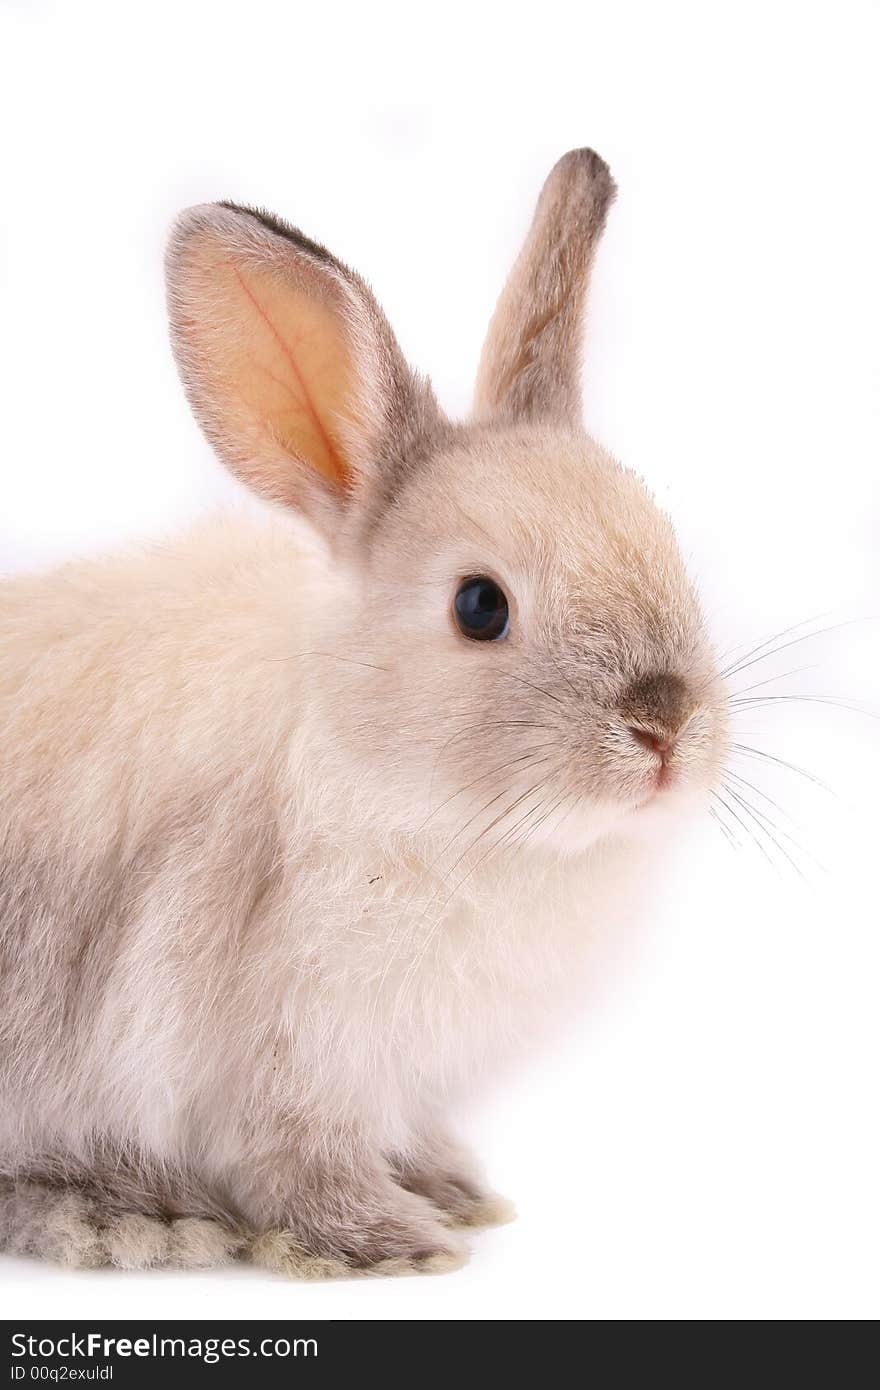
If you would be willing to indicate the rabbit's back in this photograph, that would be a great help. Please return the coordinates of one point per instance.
(145, 712)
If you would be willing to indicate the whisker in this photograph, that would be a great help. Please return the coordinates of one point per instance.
(731, 669)
(510, 839)
(572, 795)
(798, 670)
(494, 771)
(532, 811)
(502, 816)
(564, 677)
(331, 656)
(539, 688)
(774, 825)
(819, 632)
(750, 752)
(725, 830)
(751, 834)
(481, 812)
(397, 938)
(729, 772)
(757, 701)
(438, 922)
(761, 821)
(477, 729)
(438, 858)
(539, 820)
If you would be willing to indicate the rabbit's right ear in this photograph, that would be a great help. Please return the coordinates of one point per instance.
(530, 367)
(288, 362)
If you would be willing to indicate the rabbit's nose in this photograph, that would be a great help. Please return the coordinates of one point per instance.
(649, 740)
(656, 708)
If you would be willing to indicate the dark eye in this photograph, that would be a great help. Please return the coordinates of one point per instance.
(481, 609)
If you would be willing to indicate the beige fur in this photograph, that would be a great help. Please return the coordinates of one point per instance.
(530, 368)
(287, 865)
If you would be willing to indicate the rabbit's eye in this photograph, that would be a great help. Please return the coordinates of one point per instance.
(480, 609)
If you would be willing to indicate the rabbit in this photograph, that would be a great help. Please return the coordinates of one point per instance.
(307, 817)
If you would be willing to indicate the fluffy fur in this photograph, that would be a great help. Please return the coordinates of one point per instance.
(287, 865)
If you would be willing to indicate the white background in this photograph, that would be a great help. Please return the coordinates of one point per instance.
(706, 1143)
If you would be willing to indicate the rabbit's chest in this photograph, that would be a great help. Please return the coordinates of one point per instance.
(433, 976)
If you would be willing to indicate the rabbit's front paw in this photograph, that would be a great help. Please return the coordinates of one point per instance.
(364, 1224)
(460, 1202)
(404, 1236)
(446, 1174)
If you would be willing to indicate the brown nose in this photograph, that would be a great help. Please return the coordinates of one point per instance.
(655, 707)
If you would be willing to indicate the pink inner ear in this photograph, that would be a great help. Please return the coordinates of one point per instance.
(269, 366)
(295, 385)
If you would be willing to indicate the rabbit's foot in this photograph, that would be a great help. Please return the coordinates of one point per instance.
(450, 1178)
(355, 1224)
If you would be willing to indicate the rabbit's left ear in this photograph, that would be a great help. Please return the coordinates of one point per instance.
(289, 364)
(530, 367)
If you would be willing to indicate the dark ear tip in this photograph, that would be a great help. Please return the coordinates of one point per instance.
(226, 219)
(279, 227)
(589, 170)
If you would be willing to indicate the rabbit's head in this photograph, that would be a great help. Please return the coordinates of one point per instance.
(516, 649)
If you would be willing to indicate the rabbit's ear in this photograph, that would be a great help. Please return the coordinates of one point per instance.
(530, 367)
(288, 363)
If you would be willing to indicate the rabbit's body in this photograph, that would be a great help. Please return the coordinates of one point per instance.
(300, 838)
(205, 945)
